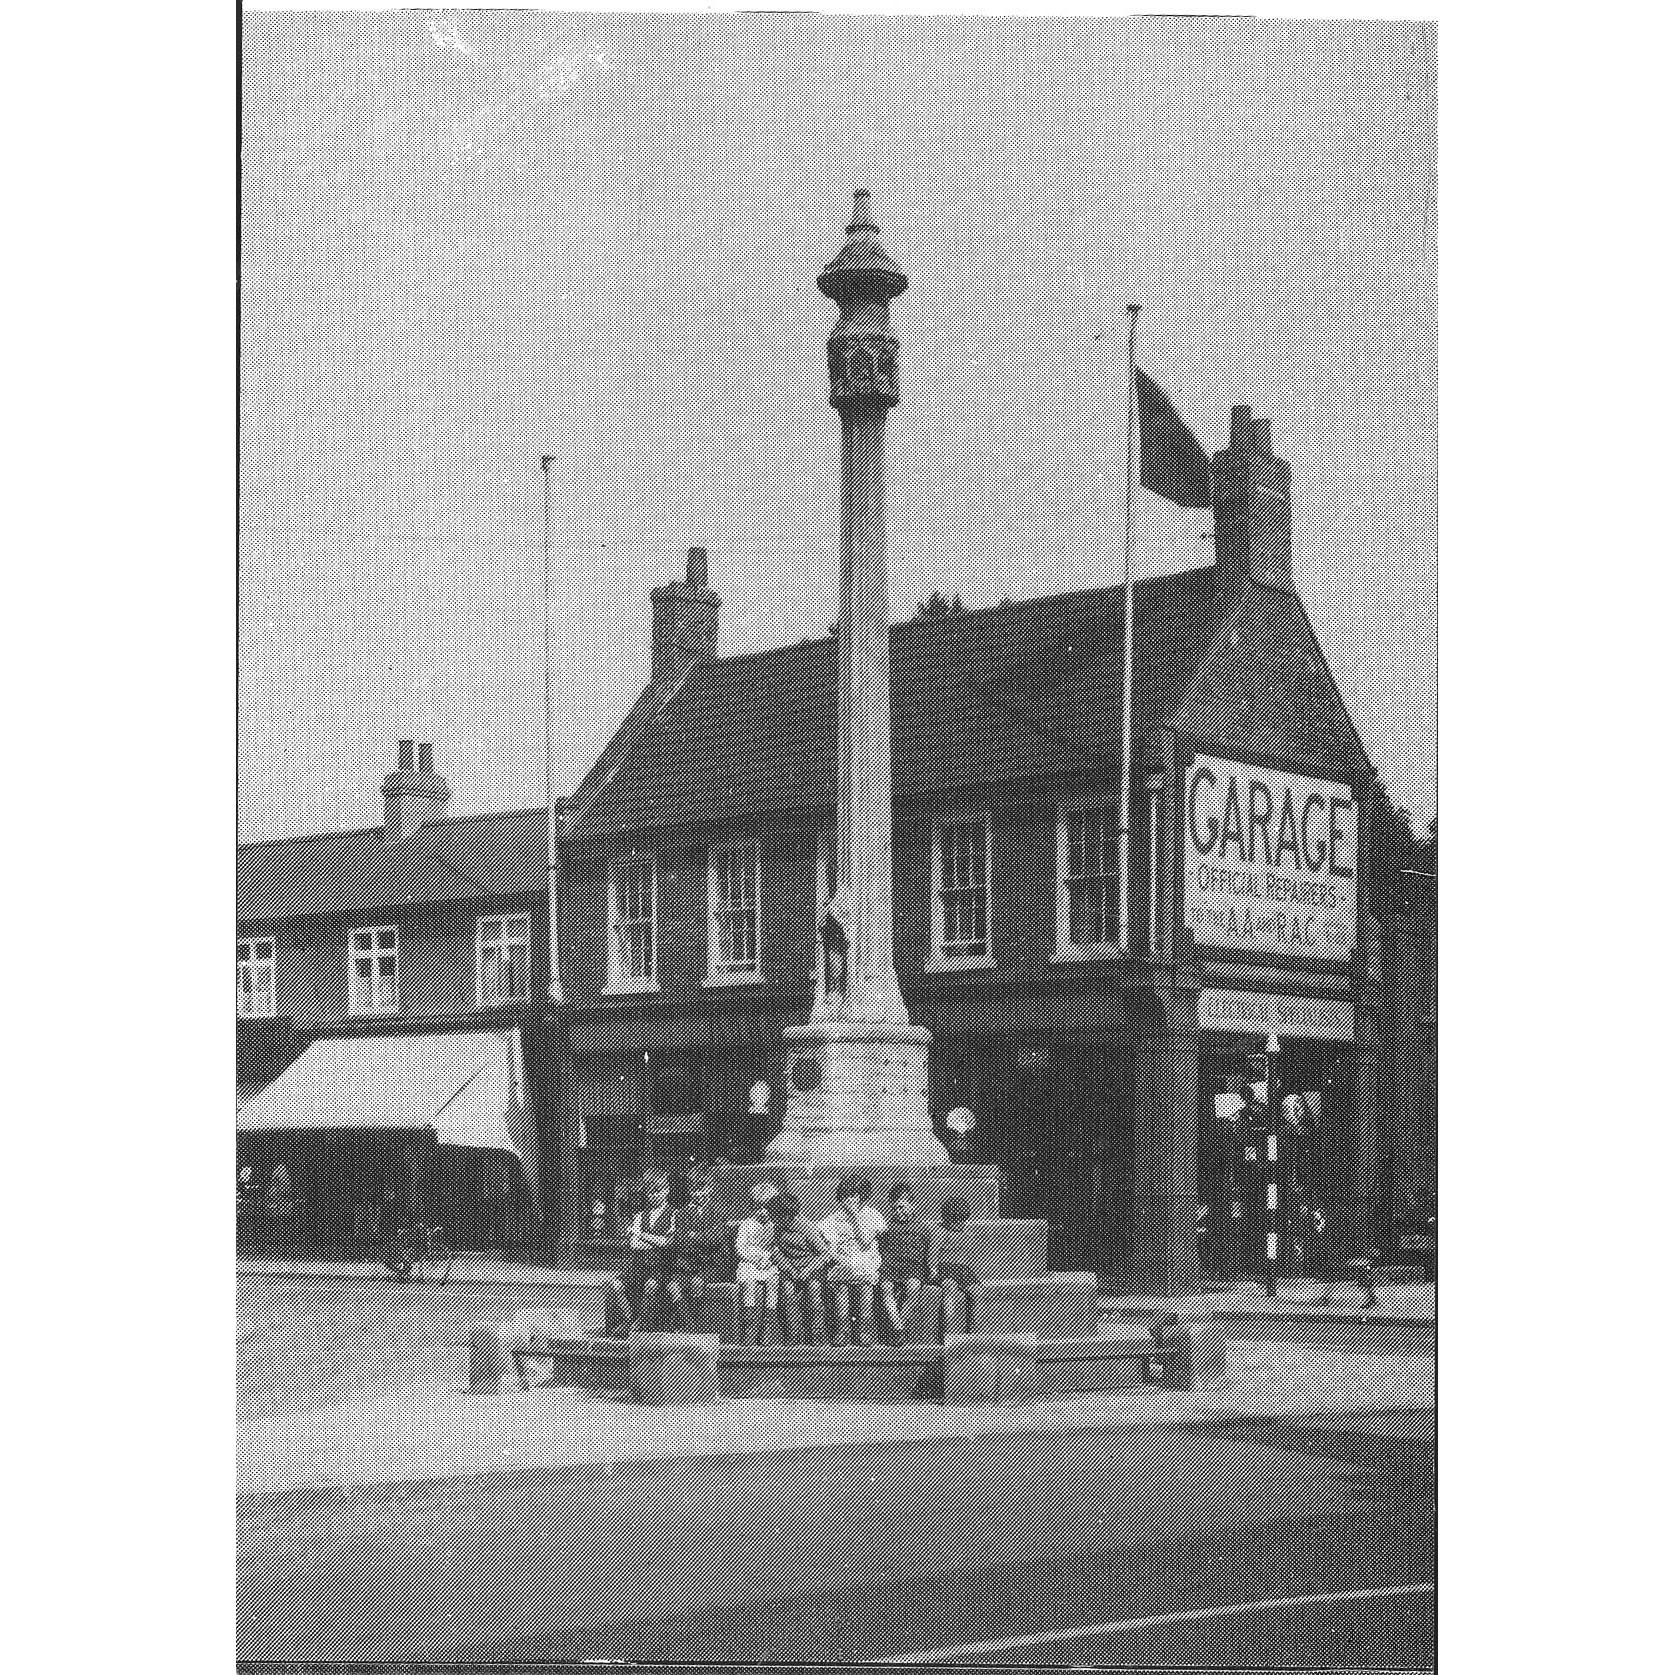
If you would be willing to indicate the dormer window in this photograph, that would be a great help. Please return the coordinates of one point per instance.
(374, 970)
(503, 959)
(255, 977)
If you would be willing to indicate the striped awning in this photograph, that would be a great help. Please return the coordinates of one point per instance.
(467, 1086)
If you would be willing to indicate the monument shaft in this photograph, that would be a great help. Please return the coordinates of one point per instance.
(872, 992)
(858, 1086)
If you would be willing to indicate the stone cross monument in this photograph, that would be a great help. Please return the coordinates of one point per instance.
(858, 1092)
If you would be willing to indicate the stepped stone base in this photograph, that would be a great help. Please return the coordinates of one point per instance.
(971, 1367)
(666, 1368)
(833, 1372)
(992, 1367)
(857, 1097)
(998, 1248)
(815, 1186)
(1055, 1306)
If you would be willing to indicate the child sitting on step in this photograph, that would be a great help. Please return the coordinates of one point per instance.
(802, 1256)
(905, 1249)
(852, 1229)
(758, 1272)
(955, 1278)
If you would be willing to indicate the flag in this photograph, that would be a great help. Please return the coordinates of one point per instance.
(1171, 462)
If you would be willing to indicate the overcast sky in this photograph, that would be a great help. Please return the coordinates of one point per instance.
(471, 238)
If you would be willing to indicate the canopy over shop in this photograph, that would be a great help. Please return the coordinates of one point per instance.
(361, 1128)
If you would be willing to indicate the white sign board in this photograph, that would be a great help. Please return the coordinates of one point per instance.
(1270, 861)
(1243, 1012)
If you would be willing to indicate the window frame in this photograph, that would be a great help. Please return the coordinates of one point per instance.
(507, 941)
(256, 962)
(716, 974)
(1064, 948)
(617, 981)
(376, 954)
(939, 958)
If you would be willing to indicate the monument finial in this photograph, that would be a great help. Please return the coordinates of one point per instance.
(861, 272)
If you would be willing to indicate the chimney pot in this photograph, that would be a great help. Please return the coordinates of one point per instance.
(685, 621)
(1252, 506)
(412, 796)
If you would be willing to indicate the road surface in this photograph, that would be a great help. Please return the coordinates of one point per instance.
(1216, 1543)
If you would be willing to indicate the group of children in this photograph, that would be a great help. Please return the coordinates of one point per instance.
(848, 1278)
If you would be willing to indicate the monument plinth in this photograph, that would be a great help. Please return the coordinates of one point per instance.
(857, 1070)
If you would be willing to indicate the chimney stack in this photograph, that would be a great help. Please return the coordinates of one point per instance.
(685, 622)
(414, 795)
(1252, 506)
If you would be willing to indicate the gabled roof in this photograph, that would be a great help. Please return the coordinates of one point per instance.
(1264, 685)
(360, 872)
(977, 697)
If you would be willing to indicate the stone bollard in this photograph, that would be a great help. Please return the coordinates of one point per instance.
(488, 1368)
(991, 1367)
(1191, 1355)
(673, 1368)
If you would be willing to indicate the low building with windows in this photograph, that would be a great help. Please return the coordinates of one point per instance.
(391, 1051)
(1105, 1081)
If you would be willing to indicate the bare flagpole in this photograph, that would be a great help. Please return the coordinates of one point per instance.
(1127, 647)
(554, 991)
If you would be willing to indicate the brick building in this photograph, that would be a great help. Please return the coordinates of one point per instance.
(695, 863)
(390, 1027)
(1103, 1083)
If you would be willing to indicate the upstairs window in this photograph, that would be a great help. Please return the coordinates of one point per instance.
(735, 912)
(960, 860)
(631, 951)
(255, 977)
(1088, 872)
(503, 960)
(373, 971)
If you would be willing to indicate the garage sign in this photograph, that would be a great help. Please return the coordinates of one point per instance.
(1270, 861)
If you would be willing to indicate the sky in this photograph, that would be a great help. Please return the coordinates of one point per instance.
(471, 238)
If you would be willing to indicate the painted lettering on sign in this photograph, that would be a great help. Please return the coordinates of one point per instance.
(1270, 861)
(1243, 1012)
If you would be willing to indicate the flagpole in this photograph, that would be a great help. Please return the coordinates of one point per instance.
(554, 991)
(1127, 647)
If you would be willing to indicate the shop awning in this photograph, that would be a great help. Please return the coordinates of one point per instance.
(466, 1086)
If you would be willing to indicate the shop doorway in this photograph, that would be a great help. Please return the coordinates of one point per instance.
(1067, 1152)
(1310, 1103)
